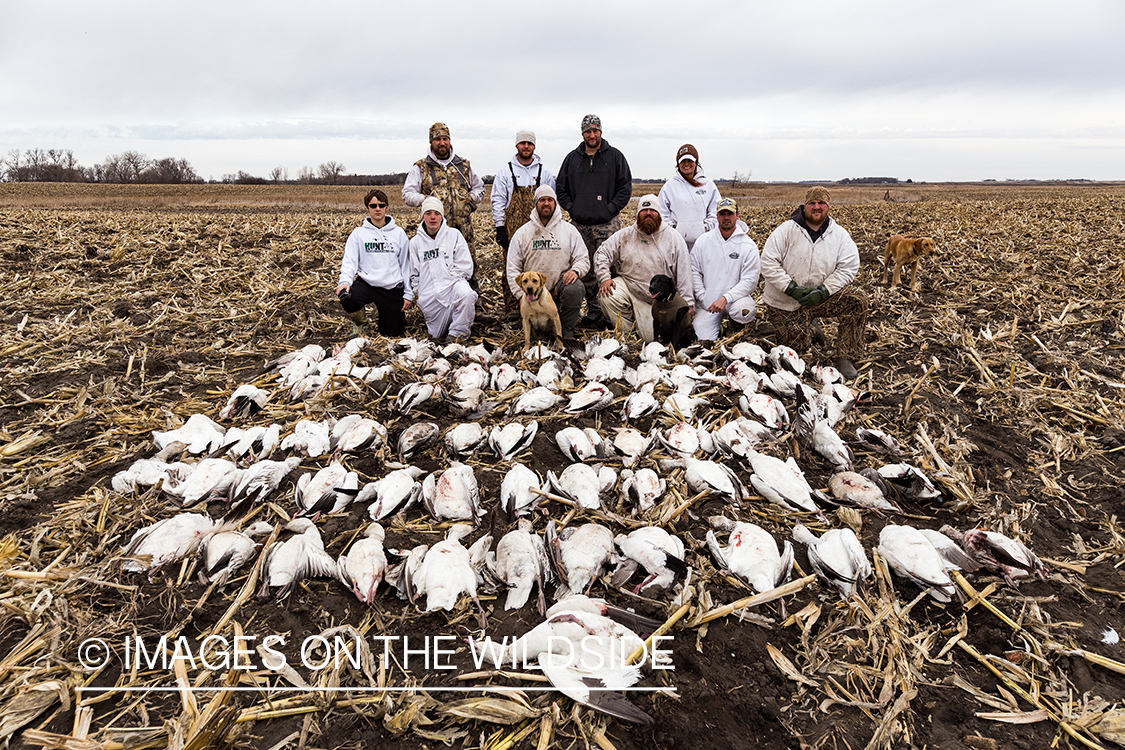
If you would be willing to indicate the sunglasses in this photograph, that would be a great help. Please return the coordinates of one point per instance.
(376, 205)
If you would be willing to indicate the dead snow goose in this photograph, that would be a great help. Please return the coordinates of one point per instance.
(412, 395)
(769, 409)
(580, 445)
(512, 438)
(851, 488)
(246, 400)
(516, 491)
(714, 478)
(417, 438)
(785, 358)
(593, 397)
(751, 553)
(781, 482)
(837, 557)
(910, 481)
(472, 376)
(200, 433)
(454, 495)
(950, 551)
(579, 555)
(658, 552)
(631, 444)
(582, 654)
(878, 441)
(293, 560)
(364, 565)
(603, 369)
(397, 491)
(224, 552)
(309, 438)
(534, 401)
(520, 562)
(449, 570)
(210, 477)
(639, 403)
(165, 542)
(642, 489)
(995, 551)
(578, 483)
(330, 490)
(911, 556)
(259, 480)
(463, 439)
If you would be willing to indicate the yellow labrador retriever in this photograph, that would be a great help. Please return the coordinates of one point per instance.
(905, 249)
(537, 307)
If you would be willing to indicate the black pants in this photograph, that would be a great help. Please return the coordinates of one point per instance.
(392, 319)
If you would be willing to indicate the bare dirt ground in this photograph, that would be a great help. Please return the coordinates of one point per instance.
(1003, 376)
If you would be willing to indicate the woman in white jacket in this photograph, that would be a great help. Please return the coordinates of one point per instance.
(375, 269)
(689, 199)
(440, 268)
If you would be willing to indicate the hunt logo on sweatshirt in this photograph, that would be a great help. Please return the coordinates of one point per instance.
(377, 247)
(433, 254)
(548, 243)
(733, 256)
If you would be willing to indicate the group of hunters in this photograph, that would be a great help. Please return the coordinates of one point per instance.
(688, 232)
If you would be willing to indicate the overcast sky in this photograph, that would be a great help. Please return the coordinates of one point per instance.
(927, 90)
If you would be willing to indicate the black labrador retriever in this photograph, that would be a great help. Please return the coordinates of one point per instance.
(670, 322)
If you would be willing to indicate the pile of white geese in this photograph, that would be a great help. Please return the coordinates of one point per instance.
(598, 524)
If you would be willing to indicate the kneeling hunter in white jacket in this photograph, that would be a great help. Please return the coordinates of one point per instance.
(440, 268)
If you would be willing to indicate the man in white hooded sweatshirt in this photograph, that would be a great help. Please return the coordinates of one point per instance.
(554, 248)
(725, 266)
(376, 269)
(440, 268)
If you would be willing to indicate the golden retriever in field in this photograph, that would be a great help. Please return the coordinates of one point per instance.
(906, 250)
(537, 307)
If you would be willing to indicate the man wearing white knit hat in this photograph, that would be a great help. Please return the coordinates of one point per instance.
(440, 269)
(625, 264)
(554, 248)
(513, 199)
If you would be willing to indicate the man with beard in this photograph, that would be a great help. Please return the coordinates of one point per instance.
(440, 267)
(554, 248)
(451, 180)
(807, 262)
(594, 184)
(724, 267)
(633, 256)
(513, 201)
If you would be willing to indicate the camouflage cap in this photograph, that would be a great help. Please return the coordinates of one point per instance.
(591, 122)
(438, 129)
(816, 194)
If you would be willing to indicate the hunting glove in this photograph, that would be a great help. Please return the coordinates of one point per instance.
(815, 297)
(502, 236)
(797, 292)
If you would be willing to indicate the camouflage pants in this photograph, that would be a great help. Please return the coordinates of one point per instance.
(849, 307)
(594, 235)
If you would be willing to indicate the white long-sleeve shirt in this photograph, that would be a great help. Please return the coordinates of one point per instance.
(724, 267)
(379, 255)
(437, 262)
(790, 255)
(690, 209)
(525, 177)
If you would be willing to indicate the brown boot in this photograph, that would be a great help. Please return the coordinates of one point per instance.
(359, 322)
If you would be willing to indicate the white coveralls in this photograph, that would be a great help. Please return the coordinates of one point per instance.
(724, 268)
(440, 268)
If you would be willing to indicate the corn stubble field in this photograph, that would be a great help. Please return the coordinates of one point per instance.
(129, 310)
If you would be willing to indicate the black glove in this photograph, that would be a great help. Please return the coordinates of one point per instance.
(815, 297)
(502, 236)
(797, 292)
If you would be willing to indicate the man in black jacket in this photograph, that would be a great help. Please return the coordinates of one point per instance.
(593, 185)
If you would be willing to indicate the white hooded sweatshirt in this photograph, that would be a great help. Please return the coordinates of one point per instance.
(690, 209)
(552, 250)
(437, 263)
(380, 256)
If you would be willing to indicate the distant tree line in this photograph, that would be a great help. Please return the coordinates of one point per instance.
(59, 165)
(871, 181)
